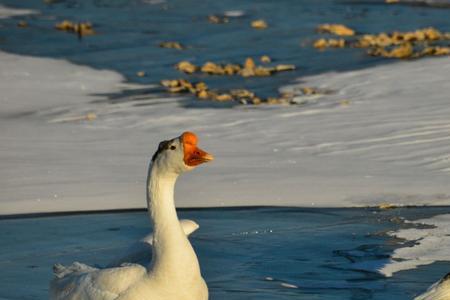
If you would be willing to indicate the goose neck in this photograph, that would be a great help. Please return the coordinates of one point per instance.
(160, 198)
(172, 251)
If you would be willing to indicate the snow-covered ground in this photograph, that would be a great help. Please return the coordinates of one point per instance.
(384, 136)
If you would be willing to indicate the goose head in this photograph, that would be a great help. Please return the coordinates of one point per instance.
(180, 154)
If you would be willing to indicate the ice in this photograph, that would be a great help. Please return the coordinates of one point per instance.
(7, 12)
(430, 245)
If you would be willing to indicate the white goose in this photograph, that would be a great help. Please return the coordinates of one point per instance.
(174, 273)
(438, 291)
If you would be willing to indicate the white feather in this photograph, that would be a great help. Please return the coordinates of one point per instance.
(437, 291)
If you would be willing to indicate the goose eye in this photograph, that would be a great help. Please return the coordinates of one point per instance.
(173, 147)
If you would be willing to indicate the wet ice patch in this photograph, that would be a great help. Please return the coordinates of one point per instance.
(7, 12)
(430, 244)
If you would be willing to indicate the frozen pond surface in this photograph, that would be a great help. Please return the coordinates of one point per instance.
(256, 253)
(129, 32)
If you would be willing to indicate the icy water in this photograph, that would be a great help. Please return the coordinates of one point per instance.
(129, 32)
(255, 253)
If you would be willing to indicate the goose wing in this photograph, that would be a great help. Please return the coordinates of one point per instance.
(80, 281)
(141, 251)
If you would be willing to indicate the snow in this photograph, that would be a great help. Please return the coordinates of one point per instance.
(430, 245)
(74, 138)
(7, 12)
(388, 141)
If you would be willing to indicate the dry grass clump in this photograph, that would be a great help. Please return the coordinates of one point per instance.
(401, 45)
(22, 24)
(241, 96)
(81, 29)
(336, 29)
(248, 69)
(259, 24)
(172, 45)
(329, 43)
(214, 19)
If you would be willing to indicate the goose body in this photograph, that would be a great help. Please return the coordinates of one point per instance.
(141, 251)
(174, 273)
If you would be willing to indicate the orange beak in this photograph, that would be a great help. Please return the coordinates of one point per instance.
(193, 156)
